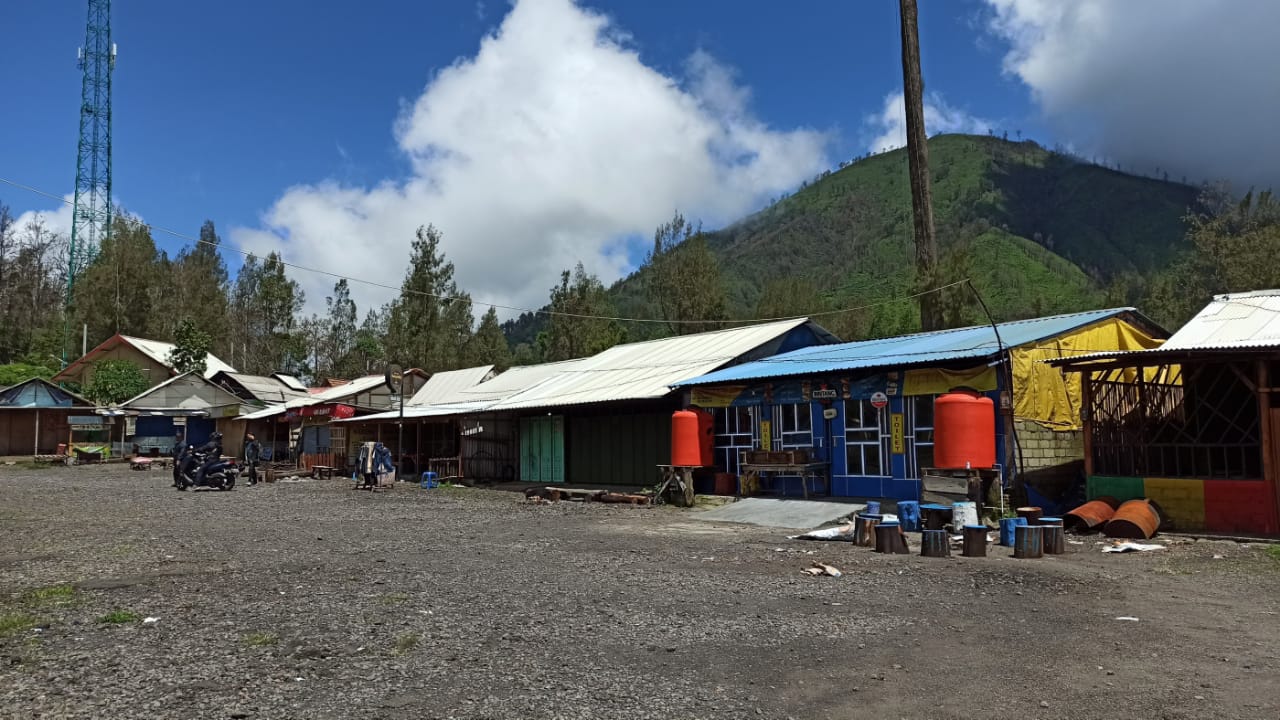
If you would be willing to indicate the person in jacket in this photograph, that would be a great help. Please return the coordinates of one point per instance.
(252, 454)
(178, 453)
(212, 453)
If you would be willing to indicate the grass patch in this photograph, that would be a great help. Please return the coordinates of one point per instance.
(13, 623)
(54, 594)
(406, 643)
(395, 598)
(1273, 552)
(261, 639)
(119, 617)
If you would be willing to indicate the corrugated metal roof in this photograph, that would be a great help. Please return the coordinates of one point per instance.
(290, 380)
(1236, 320)
(183, 392)
(643, 370)
(444, 386)
(267, 389)
(269, 411)
(918, 349)
(159, 351)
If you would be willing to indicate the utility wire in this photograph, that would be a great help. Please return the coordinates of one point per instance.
(556, 313)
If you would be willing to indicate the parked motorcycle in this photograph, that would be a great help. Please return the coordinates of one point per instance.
(218, 473)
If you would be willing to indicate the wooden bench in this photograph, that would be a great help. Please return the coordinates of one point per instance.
(322, 472)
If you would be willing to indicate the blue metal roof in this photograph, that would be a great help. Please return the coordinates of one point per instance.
(943, 346)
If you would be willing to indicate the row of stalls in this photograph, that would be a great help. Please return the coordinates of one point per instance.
(863, 411)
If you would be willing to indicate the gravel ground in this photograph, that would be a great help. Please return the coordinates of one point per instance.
(310, 600)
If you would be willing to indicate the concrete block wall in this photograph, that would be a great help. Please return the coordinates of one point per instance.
(1044, 448)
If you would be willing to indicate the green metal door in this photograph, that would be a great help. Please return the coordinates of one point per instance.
(542, 449)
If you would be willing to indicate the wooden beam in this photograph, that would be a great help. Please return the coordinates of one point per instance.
(1267, 435)
(1086, 421)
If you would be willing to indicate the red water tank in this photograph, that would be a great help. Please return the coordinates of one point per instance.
(692, 438)
(706, 438)
(964, 430)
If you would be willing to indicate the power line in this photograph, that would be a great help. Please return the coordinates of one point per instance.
(557, 313)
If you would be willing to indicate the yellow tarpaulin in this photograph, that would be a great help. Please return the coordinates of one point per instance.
(1045, 394)
(935, 381)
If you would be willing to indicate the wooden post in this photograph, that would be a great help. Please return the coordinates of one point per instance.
(1266, 437)
(1086, 420)
(918, 164)
(35, 450)
(975, 541)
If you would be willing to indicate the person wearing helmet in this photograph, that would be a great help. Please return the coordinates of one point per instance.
(212, 451)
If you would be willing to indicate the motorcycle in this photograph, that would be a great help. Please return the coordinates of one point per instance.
(220, 475)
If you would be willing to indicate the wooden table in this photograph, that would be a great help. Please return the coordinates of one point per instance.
(322, 472)
(752, 472)
(678, 481)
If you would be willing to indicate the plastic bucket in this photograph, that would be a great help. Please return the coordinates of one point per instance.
(909, 515)
(964, 513)
(1007, 532)
(429, 480)
(873, 507)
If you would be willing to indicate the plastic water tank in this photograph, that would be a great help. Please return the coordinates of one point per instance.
(685, 447)
(964, 430)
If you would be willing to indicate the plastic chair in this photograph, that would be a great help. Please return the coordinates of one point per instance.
(430, 480)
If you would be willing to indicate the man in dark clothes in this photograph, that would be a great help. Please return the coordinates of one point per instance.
(179, 445)
(252, 453)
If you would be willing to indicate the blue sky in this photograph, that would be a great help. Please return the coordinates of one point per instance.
(254, 114)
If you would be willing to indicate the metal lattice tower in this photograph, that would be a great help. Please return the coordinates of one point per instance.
(91, 215)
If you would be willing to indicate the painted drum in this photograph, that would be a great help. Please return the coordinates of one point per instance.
(1134, 520)
(1006, 529)
(1054, 540)
(964, 513)
(1028, 541)
(909, 515)
(975, 541)
(1090, 516)
(935, 543)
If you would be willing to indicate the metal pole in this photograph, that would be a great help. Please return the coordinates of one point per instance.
(400, 439)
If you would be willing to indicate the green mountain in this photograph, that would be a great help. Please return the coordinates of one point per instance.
(1039, 232)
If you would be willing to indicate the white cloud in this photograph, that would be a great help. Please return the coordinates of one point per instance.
(57, 220)
(1187, 85)
(939, 117)
(549, 145)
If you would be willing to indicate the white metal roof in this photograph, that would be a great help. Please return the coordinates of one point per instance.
(481, 397)
(160, 351)
(290, 380)
(444, 386)
(644, 370)
(268, 411)
(1235, 320)
(267, 389)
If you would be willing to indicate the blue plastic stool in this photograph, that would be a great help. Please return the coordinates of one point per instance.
(430, 480)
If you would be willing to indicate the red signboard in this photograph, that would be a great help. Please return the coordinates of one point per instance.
(338, 412)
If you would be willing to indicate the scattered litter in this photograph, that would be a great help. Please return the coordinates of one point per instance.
(1217, 557)
(1124, 547)
(779, 550)
(1128, 617)
(1075, 542)
(839, 532)
(150, 620)
(821, 569)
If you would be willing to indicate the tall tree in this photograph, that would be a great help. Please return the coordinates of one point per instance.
(340, 333)
(571, 335)
(684, 281)
(430, 323)
(32, 267)
(114, 294)
(489, 345)
(370, 348)
(918, 161)
(190, 348)
(201, 287)
(265, 305)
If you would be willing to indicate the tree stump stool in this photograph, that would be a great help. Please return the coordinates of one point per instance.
(975, 541)
(1053, 536)
(1031, 514)
(1028, 541)
(864, 530)
(889, 539)
(935, 543)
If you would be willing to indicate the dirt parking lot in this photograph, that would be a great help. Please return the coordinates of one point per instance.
(310, 600)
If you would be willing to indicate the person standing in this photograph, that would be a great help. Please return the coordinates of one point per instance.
(252, 454)
(179, 445)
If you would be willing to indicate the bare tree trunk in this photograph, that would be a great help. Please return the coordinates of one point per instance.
(918, 158)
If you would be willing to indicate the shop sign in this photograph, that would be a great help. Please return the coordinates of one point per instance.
(335, 411)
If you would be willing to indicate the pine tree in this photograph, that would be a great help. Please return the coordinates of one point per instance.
(201, 286)
(568, 335)
(114, 294)
(489, 345)
(430, 323)
(684, 279)
(340, 333)
(265, 303)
